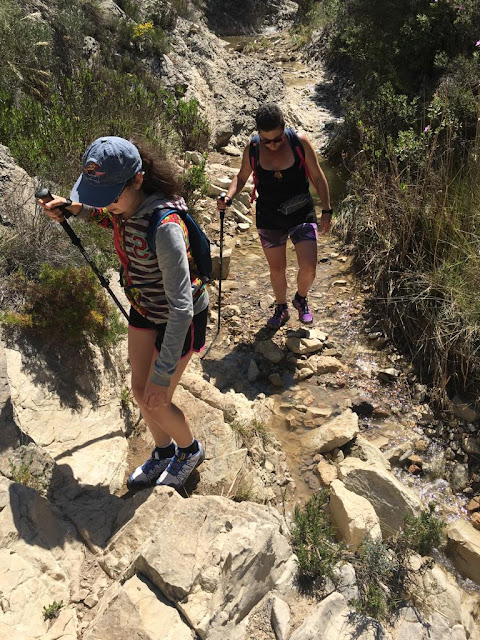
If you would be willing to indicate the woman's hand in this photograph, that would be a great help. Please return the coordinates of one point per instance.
(155, 396)
(325, 223)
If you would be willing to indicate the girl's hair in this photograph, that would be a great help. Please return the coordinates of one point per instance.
(160, 175)
(269, 117)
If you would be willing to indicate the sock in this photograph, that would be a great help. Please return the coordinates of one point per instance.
(299, 297)
(166, 452)
(282, 305)
(193, 448)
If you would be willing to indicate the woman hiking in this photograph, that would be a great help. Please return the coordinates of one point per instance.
(282, 162)
(121, 186)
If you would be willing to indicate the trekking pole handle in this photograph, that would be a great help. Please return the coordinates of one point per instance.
(45, 195)
(222, 197)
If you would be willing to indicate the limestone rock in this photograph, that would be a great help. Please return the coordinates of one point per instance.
(391, 500)
(270, 350)
(90, 447)
(446, 605)
(41, 560)
(280, 618)
(305, 341)
(211, 557)
(353, 517)
(137, 609)
(368, 452)
(332, 434)
(332, 619)
(327, 472)
(325, 364)
(464, 549)
(226, 259)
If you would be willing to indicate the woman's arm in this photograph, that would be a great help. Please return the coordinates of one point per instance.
(319, 181)
(173, 262)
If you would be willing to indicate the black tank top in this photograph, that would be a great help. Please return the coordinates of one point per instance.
(272, 191)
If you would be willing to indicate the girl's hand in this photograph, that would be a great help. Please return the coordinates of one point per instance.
(52, 210)
(155, 396)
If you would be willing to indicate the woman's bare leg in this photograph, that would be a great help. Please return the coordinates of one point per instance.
(307, 264)
(277, 262)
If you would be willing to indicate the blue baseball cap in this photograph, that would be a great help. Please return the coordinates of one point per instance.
(107, 165)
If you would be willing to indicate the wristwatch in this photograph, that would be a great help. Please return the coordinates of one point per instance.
(329, 211)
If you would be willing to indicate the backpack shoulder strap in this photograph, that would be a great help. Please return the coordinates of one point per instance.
(253, 154)
(298, 150)
(156, 219)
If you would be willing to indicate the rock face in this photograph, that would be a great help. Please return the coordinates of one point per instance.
(353, 517)
(464, 549)
(214, 559)
(227, 18)
(228, 86)
(391, 500)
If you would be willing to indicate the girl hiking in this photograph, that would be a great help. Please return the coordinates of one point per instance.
(122, 186)
(282, 162)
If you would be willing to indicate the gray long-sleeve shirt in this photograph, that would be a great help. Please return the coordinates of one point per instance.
(161, 285)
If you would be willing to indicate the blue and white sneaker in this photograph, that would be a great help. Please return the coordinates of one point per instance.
(145, 475)
(180, 467)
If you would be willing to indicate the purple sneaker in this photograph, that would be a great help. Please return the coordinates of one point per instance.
(304, 313)
(280, 317)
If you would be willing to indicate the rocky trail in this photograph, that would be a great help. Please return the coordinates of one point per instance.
(281, 414)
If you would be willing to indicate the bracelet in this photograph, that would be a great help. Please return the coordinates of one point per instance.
(329, 211)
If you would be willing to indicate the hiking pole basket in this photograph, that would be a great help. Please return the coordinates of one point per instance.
(45, 195)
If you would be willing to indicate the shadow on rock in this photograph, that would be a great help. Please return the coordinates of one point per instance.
(71, 372)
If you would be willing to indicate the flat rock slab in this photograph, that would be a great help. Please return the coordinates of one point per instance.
(137, 610)
(214, 559)
(88, 444)
(41, 560)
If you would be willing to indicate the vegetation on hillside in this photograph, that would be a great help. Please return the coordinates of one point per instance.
(411, 140)
(68, 74)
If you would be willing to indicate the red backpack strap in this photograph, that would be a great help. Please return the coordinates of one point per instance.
(298, 150)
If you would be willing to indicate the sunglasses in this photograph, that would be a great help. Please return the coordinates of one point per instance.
(128, 183)
(276, 140)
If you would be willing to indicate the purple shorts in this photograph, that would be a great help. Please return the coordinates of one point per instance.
(271, 238)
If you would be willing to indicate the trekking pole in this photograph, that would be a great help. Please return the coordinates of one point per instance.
(221, 197)
(45, 195)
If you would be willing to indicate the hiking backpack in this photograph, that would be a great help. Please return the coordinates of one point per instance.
(298, 152)
(199, 242)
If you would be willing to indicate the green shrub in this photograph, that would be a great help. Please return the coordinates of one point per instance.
(52, 610)
(194, 184)
(66, 305)
(313, 539)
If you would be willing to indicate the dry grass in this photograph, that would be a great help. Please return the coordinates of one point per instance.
(417, 240)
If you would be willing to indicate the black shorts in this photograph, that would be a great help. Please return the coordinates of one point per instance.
(194, 340)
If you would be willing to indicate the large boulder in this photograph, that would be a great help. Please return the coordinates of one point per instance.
(353, 517)
(211, 557)
(334, 433)
(137, 609)
(41, 561)
(464, 548)
(391, 500)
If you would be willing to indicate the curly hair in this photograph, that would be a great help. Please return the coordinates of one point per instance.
(159, 174)
(269, 117)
